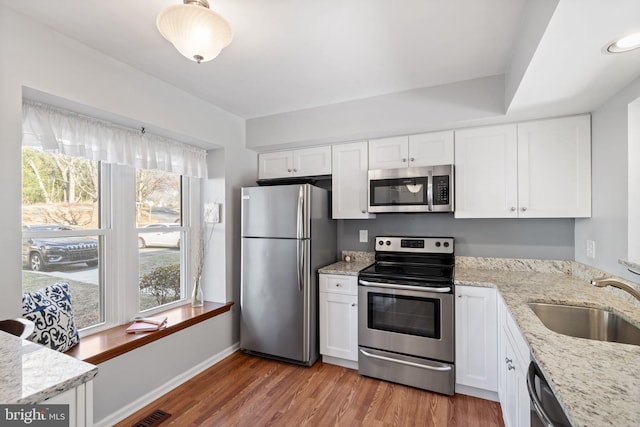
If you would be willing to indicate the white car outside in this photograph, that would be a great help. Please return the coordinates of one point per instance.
(159, 235)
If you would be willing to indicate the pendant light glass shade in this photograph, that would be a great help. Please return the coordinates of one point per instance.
(195, 30)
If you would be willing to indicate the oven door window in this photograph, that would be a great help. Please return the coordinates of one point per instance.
(398, 191)
(404, 314)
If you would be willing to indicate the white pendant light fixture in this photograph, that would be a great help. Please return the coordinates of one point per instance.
(195, 30)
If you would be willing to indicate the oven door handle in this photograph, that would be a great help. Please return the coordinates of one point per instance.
(405, 287)
(533, 395)
(405, 362)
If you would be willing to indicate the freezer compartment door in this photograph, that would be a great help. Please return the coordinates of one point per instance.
(275, 304)
(280, 211)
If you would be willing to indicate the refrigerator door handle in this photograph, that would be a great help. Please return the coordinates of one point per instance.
(300, 264)
(300, 214)
(300, 235)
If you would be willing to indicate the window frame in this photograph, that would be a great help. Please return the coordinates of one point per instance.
(123, 301)
(118, 236)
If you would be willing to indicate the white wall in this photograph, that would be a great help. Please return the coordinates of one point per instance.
(608, 226)
(35, 57)
(533, 23)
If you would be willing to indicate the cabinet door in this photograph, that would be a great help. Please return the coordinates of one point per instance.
(512, 367)
(429, 149)
(389, 153)
(476, 337)
(339, 325)
(502, 354)
(349, 181)
(486, 172)
(80, 401)
(278, 164)
(312, 161)
(554, 168)
(516, 404)
(510, 406)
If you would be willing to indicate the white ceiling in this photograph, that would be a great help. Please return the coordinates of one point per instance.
(293, 54)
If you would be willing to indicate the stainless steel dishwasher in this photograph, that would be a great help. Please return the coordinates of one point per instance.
(545, 409)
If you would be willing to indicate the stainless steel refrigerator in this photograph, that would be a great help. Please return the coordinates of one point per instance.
(287, 234)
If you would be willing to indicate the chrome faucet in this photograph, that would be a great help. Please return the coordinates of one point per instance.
(602, 282)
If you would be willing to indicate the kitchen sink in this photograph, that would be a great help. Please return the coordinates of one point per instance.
(585, 322)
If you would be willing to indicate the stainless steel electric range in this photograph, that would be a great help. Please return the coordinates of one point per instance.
(406, 314)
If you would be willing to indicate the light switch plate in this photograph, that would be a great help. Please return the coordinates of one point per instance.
(212, 213)
(591, 249)
(364, 236)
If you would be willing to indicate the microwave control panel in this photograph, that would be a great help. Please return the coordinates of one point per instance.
(441, 190)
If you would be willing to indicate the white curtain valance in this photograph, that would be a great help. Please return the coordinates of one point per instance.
(67, 132)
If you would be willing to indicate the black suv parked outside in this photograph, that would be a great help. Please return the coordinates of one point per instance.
(41, 254)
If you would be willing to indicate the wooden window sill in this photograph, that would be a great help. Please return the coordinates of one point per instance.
(113, 342)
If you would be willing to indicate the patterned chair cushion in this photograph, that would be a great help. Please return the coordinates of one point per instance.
(51, 311)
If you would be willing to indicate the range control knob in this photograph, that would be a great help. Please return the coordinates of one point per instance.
(446, 244)
(388, 242)
(437, 244)
(380, 243)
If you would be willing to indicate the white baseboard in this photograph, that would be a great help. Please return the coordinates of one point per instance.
(165, 388)
(340, 362)
(477, 392)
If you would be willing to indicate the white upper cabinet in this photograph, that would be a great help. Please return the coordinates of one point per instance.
(426, 149)
(389, 153)
(554, 168)
(538, 169)
(486, 172)
(430, 149)
(349, 181)
(304, 162)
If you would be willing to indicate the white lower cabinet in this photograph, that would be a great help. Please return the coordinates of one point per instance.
(80, 401)
(339, 319)
(476, 341)
(512, 370)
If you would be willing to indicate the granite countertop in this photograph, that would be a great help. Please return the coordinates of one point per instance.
(596, 382)
(31, 373)
(357, 261)
(346, 268)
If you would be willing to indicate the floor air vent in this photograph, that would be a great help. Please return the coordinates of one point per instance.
(155, 418)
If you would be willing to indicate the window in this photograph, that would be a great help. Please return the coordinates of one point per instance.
(107, 209)
(62, 234)
(633, 231)
(160, 232)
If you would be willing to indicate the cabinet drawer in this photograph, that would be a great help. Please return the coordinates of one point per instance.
(337, 283)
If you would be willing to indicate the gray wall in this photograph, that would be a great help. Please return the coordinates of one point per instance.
(608, 225)
(504, 238)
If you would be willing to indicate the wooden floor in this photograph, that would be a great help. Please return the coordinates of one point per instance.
(244, 390)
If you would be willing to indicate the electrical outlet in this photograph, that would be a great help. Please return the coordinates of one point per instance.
(591, 249)
(364, 236)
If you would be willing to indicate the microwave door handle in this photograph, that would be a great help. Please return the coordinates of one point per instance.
(430, 189)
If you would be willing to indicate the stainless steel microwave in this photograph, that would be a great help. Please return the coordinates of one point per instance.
(419, 189)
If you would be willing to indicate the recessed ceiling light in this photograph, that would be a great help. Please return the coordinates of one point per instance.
(624, 44)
